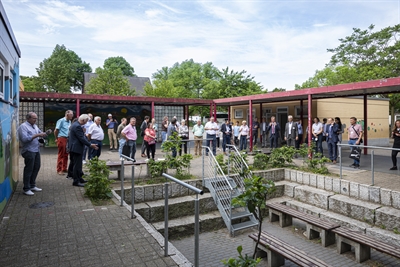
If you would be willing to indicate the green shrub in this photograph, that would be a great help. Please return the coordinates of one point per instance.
(98, 185)
(282, 156)
(260, 161)
(241, 261)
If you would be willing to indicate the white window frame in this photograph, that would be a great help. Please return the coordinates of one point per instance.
(238, 113)
(11, 89)
(2, 77)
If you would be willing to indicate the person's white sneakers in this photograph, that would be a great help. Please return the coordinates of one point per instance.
(83, 161)
(121, 158)
(146, 160)
(36, 189)
(28, 193)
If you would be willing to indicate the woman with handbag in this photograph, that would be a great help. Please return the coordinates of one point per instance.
(150, 140)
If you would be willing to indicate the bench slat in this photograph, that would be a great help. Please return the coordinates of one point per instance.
(302, 216)
(287, 251)
(369, 241)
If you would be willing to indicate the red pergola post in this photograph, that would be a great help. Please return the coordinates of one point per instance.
(211, 109)
(365, 125)
(215, 112)
(78, 108)
(251, 124)
(260, 119)
(187, 114)
(152, 110)
(229, 113)
(309, 124)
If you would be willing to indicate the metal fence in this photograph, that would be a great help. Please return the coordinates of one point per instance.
(372, 157)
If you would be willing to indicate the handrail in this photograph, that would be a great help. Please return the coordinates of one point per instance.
(211, 155)
(372, 157)
(376, 147)
(191, 187)
(196, 216)
(237, 152)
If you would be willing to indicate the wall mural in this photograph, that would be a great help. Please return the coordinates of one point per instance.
(9, 152)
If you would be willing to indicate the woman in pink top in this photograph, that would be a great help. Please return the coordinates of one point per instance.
(150, 140)
(244, 131)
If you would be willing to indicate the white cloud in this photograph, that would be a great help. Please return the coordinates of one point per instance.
(280, 43)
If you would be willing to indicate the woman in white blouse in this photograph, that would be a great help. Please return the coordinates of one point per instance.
(184, 134)
(244, 131)
(317, 130)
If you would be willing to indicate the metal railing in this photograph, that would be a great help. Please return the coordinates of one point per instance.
(219, 185)
(133, 216)
(196, 216)
(372, 157)
(237, 165)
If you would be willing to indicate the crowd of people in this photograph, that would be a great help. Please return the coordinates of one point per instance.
(82, 138)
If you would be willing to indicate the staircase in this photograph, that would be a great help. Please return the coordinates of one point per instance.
(223, 189)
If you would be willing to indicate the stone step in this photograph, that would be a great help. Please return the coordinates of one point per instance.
(184, 226)
(153, 211)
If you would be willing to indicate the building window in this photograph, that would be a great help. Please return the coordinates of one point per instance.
(1, 81)
(297, 111)
(239, 113)
(10, 96)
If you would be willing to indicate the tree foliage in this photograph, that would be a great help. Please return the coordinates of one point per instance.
(113, 63)
(109, 82)
(362, 56)
(31, 84)
(62, 71)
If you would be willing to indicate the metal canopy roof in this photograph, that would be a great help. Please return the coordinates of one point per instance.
(108, 99)
(383, 86)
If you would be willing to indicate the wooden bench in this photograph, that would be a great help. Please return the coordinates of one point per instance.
(362, 243)
(277, 251)
(116, 165)
(315, 227)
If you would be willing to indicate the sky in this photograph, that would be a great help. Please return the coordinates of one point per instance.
(280, 43)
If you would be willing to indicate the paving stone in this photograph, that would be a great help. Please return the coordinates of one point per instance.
(374, 194)
(328, 183)
(364, 192)
(320, 182)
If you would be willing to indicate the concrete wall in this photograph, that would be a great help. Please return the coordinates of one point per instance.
(9, 101)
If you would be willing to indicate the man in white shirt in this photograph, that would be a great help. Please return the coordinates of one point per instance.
(95, 136)
(86, 127)
(291, 132)
(211, 129)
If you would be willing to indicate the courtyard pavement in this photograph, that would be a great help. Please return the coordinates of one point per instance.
(74, 232)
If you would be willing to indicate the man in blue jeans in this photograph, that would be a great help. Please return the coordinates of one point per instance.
(355, 134)
(211, 130)
(29, 135)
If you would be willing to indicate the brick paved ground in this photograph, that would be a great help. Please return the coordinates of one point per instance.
(218, 245)
(73, 232)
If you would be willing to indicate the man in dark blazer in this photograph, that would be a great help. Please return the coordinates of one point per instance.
(332, 138)
(226, 130)
(76, 144)
(273, 129)
(291, 132)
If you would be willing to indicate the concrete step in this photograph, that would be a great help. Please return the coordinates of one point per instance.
(184, 226)
(153, 211)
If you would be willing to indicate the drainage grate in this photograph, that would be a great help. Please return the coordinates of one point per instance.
(40, 205)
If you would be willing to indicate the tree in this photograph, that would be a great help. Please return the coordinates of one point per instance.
(109, 82)
(113, 63)
(364, 55)
(276, 89)
(31, 84)
(62, 71)
(254, 198)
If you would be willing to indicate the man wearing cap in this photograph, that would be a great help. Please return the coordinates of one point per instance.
(112, 136)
